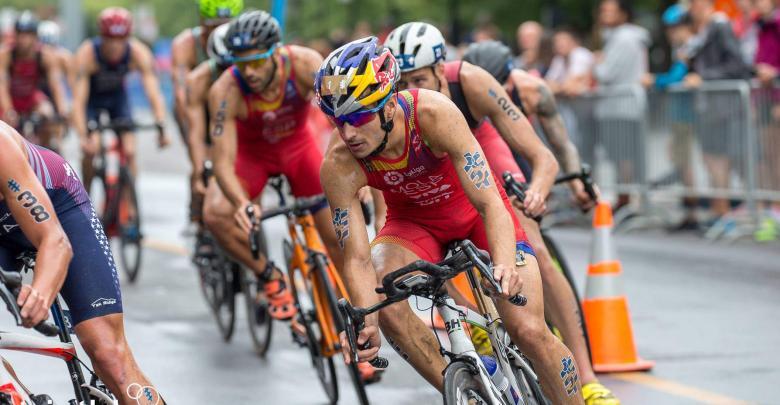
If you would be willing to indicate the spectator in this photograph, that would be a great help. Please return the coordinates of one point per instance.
(746, 30)
(529, 41)
(619, 70)
(767, 68)
(718, 57)
(680, 34)
(569, 72)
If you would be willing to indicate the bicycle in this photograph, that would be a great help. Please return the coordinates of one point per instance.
(316, 288)
(466, 378)
(222, 278)
(30, 127)
(93, 393)
(120, 209)
(517, 189)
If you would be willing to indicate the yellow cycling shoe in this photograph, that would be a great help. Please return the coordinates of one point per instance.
(597, 394)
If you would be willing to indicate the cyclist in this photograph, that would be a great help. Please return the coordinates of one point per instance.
(188, 50)
(23, 66)
(258, 111)
(416, 147)
(102, 63)
(472, 90)
(532, 96)
(198, 83)
(44, 208)
(49, 35)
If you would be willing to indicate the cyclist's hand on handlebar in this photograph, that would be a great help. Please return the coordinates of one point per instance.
(370, 335)
(242, 218)
(581, 197)
(534, 204)
(34, 306)
(509, 280)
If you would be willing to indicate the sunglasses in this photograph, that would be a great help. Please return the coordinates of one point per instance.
(359, 118)
(254, 61)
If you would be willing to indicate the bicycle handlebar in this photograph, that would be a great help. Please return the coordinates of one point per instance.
(10, 287)
(465, 256)
(301, 205)
(254, 232)
(518, 189)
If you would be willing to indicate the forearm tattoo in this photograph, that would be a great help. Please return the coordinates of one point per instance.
(569, 375)
(477, 170)
(341, 225)
(28, 201)
(555, 130)
(219, 119)
(506, 105)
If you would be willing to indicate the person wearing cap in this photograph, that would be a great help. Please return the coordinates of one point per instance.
(24, 65)
(188, 50)
(102, 64)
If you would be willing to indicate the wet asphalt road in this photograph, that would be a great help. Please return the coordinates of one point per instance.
(706, 313)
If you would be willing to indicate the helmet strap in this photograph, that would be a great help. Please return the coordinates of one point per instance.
(387, 126)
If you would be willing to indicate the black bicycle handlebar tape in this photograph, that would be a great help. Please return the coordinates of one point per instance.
(481, 259)
(587, 181)
(47, 329)
(254, 232)
(366, 212)
(354, 321)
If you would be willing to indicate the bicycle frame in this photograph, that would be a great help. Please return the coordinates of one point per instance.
(300, 255)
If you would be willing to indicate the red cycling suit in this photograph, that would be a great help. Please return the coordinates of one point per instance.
(25, 78)
(275, 138)
(498, 154)
(427, 207)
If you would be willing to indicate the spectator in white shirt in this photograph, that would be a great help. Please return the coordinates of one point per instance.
(569, 73)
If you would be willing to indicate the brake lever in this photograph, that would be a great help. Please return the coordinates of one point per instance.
(349, 328)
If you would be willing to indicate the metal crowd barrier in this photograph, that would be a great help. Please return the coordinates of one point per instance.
(718, 141)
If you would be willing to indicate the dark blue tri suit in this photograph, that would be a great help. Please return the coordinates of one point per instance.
(107, 87)
(91, 288)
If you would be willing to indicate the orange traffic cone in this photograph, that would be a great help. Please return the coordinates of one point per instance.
(606, 307)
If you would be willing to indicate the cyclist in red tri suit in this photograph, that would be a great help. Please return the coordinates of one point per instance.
(501, 128)
(24, 65)
(259, 109)
(416, 147)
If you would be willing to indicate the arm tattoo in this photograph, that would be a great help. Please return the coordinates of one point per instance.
(28, 200)
(555, 130)
(546, 106)
(341, 225)
(506, 105)
(569, 375)
(219, 119)
(477, 170)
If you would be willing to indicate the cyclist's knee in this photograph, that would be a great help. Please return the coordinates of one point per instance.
(106, 347)
(531, 335)
(216, 216)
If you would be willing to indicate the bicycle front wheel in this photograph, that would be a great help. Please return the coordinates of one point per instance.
(462, 386)
(307, 318)
(332, 297)
(259, 320)
(129, 218)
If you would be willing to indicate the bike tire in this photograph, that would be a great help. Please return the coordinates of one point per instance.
(333, 298)
(259, 321)
(130, 239)
(563, 267)
(461, 384)
(307, 316)
(225, 304)
(534, 394)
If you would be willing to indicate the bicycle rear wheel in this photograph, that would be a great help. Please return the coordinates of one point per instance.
(129, 220)
(307, 317)
(224, 297)
(330, 292)
(462, 386)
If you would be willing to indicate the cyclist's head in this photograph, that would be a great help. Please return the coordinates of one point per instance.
(419, 48)
(216, 48)
(678, 24)
(353, 86)
(115, 22)
(252, 39)
(493, 56)
(214, 13)
(49, 33)
(26, 31)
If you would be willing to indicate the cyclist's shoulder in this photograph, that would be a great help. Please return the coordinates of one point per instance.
(10, 141)
(338, 160)
(184, 38)
(198, 82)
(305, 63)
(225, 89)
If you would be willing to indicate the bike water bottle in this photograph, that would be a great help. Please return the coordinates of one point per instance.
(498, 378)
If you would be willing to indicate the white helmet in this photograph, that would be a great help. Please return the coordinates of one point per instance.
(49, 32)
(416, 45)
(215, 47)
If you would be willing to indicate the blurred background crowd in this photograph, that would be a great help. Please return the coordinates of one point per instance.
(678, 99)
